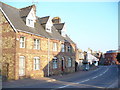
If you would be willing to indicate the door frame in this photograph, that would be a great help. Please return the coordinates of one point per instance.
(21, 75)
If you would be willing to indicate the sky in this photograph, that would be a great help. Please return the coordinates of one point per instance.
(89, 24)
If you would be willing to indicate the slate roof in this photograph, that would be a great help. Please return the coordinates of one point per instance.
(25, 11)
(44, 20)
(19, 24)
(59, 26)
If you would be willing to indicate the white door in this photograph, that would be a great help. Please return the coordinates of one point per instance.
(22, 66)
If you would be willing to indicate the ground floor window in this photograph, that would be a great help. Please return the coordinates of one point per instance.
(69, 62)
(36, 63)
(55, 63)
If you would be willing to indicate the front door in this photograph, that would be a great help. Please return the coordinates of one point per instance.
(22, 66)
(62, 65)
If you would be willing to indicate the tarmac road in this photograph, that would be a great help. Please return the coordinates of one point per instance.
(103, 77)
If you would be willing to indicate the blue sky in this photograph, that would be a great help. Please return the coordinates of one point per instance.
(89, 24)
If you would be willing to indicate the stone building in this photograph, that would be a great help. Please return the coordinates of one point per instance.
(33, 46)
(79, 59)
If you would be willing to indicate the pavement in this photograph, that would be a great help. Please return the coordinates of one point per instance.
(42, 80)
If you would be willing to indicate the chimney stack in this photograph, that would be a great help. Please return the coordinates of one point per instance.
(56, 20)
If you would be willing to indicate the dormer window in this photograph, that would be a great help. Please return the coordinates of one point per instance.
(30, 23)
(48, 29)
(31, 18)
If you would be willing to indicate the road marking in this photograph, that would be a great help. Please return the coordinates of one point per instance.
(64, 86)
(86, 79)
(83, 81)
(94, 77)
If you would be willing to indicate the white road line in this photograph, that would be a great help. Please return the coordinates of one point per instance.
(63, 86)
(94, 77)
(86, 79)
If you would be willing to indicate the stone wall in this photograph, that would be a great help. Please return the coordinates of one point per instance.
(8, 48)
(29, 52)
(11, 52)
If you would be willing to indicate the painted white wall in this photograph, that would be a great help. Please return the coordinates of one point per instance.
(91, 58)
(31, 16)
(63, 31)
(49, 25)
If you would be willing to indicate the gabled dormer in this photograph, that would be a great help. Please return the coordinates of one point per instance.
(61, 28)
(28, 14)
(63, 31)
(49, 25)
(46, 22)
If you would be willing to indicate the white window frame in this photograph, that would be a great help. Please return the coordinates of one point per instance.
(36, 63)
(55, 63)
(62, 48)
(55, 46)
(31, 22)
(36, 44)
(69, 62)
(22, 42)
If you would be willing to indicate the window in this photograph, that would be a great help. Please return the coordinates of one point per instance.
(36, 63)
(69, 49)
(36, 44)
(54, 46)
(62, 48)
(30, 23)
(22, 42)
(54, 63)
(69, 62)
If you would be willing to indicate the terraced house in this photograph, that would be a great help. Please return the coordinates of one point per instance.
(33, 46)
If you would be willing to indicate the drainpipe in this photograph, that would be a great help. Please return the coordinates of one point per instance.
(48, 56)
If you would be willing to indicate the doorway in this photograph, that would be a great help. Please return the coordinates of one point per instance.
(22, 66)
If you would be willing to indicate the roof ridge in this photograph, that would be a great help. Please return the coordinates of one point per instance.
(9, 5)
(44, 17)
(27, 6)
(58, 23)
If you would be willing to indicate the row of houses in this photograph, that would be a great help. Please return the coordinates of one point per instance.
(34, 47)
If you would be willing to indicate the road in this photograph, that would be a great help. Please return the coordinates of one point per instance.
(103, 77)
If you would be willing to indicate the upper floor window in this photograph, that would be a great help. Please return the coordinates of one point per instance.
(55, 63)
(62, 48)
(36, 44)
(22, 42)
(48, 29)
(69, 62)
(30, 23)
(69, 48)
(54, 46)
(36, 63)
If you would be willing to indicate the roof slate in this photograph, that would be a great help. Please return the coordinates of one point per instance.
(44, 20)
(19, 24)
(25, 11)
(59, 26)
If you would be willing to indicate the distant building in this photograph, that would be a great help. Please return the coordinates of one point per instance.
(79, 59)
(110, 57)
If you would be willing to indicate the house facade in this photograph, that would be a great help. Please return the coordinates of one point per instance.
(110, 57)
(33, 47)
